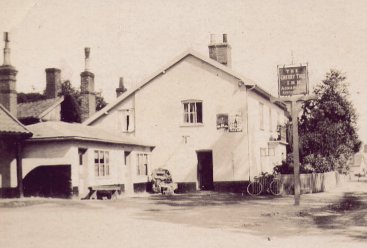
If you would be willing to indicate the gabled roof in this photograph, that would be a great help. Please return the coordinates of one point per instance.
(9, 125)
(57, 130)
(38, 109)
(241, 79)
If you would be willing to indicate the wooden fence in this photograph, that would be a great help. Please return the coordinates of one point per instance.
(313, 183)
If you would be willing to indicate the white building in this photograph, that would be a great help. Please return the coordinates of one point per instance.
(64, 160)
(211, 127)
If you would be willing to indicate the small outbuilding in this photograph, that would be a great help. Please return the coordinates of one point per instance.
(65, 160)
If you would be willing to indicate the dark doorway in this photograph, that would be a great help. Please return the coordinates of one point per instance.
(205, 170)
(49, 181)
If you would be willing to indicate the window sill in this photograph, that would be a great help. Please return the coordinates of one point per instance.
(192, 125)
(103, 177)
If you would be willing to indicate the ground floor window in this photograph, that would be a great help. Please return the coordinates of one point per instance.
(142, 164)
(101, 163)
(267, 152)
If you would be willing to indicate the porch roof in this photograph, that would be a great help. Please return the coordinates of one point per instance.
(57, 130)
(9, 125)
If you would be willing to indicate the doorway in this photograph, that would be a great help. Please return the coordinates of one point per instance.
(205, 170)
(49, 181)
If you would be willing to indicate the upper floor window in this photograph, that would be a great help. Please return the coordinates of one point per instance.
(193, 112)
(127, 120)
(261, 115)
(101, 163)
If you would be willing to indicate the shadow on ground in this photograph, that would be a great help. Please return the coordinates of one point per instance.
(348, 216)
(202, 199)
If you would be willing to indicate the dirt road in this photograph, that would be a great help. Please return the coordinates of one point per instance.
(334, 219)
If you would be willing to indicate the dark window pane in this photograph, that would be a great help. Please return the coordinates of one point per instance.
(199, 112)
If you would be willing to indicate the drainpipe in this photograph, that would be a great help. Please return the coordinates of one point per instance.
(248, 134)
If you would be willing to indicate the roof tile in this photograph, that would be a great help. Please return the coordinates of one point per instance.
(9, 124)
(35, 109)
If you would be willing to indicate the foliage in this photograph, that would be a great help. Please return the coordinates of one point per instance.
(68, 89)
(100, 102)
(328, 132)
(70, 110)
(29, 97)
(287, 167)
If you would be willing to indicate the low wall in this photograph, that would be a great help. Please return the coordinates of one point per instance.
(313, 183)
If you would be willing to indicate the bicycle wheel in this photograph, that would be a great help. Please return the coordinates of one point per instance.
(254, 188)
(275, 187)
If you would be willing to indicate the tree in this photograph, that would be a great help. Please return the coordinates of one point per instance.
(328, 126)
(100, 102)
(68, 89)
(70, 110)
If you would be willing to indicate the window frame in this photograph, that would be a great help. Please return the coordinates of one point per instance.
(142, 169)
(192, 114)
(101, 163)
(127, 120)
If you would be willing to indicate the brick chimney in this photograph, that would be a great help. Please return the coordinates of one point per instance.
(220, 51)
(8, 93)
(53, 82)
(121, 89)
(88, 96)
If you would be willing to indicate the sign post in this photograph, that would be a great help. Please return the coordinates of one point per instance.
(292, 88)
(296, 163)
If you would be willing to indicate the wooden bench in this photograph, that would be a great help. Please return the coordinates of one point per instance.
(103, 192)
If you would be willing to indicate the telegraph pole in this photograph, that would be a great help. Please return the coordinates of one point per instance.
(296, 163)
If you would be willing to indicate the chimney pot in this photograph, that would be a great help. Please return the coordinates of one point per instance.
(6, 49)
(121, 89)
(121, 83)
(6, 36)
(87, 52)
(87, 60)
(225, 38)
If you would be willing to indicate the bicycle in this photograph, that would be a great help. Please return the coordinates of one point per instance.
(265, 181)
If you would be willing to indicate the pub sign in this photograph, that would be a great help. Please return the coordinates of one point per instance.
(293, 80)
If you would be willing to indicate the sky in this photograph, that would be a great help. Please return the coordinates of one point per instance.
(132, 39)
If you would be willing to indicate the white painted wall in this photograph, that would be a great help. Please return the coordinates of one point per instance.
(115, 115)
(53, 115)
(259, 138)
(159, 119)
(66, 153)
(159, 116)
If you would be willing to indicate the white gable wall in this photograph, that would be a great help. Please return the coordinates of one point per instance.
(115, 115)
(159, 116)
(159, 120)
(53, 115)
